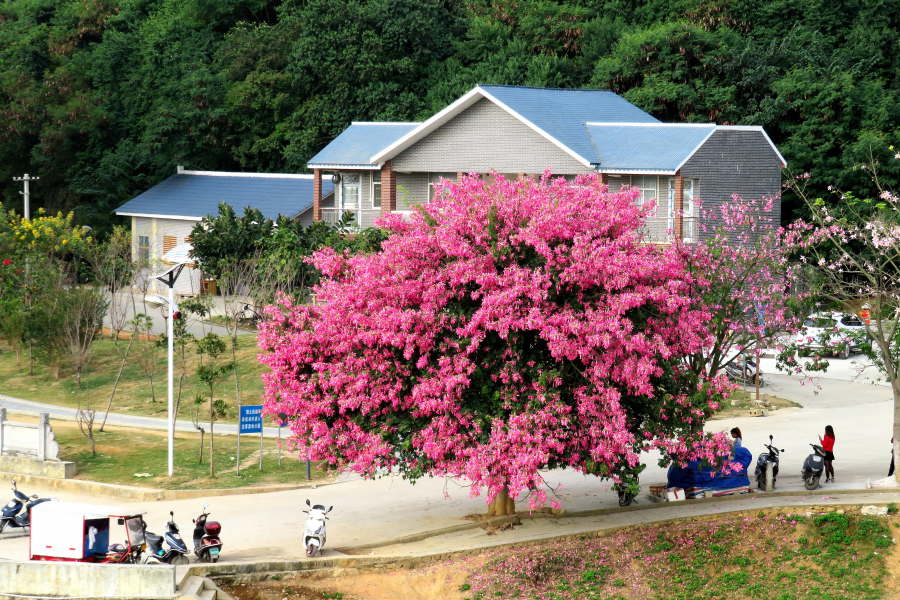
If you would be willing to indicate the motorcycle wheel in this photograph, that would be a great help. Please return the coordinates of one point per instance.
(2, 526)
(216, 559)
(761, 481)
(311, 551)
(625, 499)
(811, 482)
(845, 353)
(181, 559)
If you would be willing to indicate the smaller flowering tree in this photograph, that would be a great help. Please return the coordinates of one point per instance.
(852, 248)
(746, 283)
(507, 328)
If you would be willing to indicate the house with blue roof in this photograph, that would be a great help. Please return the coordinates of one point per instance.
(379, 168)
(162, 217)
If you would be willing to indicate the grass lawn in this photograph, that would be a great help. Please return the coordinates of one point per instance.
(133, 393)
(124, 452)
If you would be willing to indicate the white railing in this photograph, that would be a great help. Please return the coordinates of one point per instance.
(362, 218)
(658, 230)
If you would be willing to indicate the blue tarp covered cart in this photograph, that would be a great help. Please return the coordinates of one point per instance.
(700, 481)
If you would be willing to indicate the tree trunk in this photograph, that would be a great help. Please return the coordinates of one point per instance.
(93, 450)
(502, 505)
(201, 444)
(152, 391)
(116, 384)
(78, 378)
(211, 471)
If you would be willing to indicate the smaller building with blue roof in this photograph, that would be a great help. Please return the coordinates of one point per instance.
(162, 217)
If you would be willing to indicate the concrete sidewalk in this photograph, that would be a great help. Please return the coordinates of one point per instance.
(27, 407)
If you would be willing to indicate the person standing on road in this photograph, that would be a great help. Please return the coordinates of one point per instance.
(828, 446)
(736, 435)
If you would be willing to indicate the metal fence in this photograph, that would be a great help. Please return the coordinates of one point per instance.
(659, 230)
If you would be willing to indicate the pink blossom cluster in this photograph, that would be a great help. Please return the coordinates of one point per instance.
(505, 328)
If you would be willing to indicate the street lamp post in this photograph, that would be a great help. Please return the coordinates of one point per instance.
(169, 278)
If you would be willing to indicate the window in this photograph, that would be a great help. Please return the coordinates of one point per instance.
(688, 208)
(169, 243)
(648, 186)
(143, 248)
(350, 191)
(376, 189)
(434, 182)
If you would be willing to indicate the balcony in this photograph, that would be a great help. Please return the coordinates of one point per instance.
(658, 230)
(362, 218)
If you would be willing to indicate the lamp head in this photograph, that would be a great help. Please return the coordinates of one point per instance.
(169, 276)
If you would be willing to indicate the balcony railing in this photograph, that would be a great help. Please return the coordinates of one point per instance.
(658, 230)
(362, 218)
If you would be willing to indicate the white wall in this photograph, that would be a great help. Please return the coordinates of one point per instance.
(156, 229)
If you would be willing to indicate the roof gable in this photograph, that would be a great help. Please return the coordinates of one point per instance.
(196, 194)
(558, 114)
(356, 144)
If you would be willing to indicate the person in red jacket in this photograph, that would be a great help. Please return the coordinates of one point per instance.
(828, 447)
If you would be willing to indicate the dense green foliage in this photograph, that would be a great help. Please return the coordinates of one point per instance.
(103, 98)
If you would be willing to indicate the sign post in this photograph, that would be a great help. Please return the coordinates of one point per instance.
(251, 422)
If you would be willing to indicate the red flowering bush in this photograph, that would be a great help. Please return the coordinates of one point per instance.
(506, 328)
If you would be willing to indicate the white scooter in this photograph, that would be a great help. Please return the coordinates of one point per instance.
(314, 537)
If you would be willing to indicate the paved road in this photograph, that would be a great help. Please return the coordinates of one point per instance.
(16, 405)
(195, 326)
(269, 526)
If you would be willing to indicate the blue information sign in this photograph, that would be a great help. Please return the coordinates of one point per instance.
(251, 419)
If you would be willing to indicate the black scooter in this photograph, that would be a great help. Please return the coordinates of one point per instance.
(176, 553)
(813, 467)
(767, 467)
(17, 514)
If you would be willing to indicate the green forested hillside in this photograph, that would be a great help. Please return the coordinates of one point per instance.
(102, 98)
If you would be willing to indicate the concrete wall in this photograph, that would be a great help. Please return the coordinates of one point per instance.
(28, 440)
(735, 162)
(74, 580)
(485, 137)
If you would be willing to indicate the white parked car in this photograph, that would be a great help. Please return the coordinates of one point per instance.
(832, 333)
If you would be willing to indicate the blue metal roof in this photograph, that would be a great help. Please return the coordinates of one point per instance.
(358, 143)
(562, 113)
(662, 147)
(199, 195)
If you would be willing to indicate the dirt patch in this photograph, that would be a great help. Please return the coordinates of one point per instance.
(740, 403)
(436, 582)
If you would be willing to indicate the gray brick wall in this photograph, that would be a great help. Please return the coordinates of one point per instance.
(735, 162)
(415, 189)
(482, 138)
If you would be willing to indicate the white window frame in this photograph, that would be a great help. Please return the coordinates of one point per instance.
(433, 179)
(641, 184)
(341, 192)
(375, 189)
(143, 248)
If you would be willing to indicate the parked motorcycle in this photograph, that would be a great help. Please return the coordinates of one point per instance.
(17, 514)
(207, 544)
(177, 551)
(744, 370)
(314, 536)
(625, 497)
(767, 467)
(813, 467)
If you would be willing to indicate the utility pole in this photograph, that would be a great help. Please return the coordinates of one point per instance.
(26, 179)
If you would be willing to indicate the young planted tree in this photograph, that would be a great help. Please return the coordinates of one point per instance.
(113, 268)
(83, 309)
(212, 374)
(853, 248)
(507, 328)
(86, 418)
(146, 350)
(197, 420)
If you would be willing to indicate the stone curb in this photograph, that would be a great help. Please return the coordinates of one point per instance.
(351, 565)
(127, 493)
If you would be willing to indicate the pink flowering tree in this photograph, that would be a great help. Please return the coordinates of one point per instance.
(505, 329)
(852, 247)
(748, 286)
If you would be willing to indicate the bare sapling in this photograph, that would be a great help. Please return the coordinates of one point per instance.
(198, 424)
(211, 375)
(82, 319)
(85, 418)
(146, 350)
